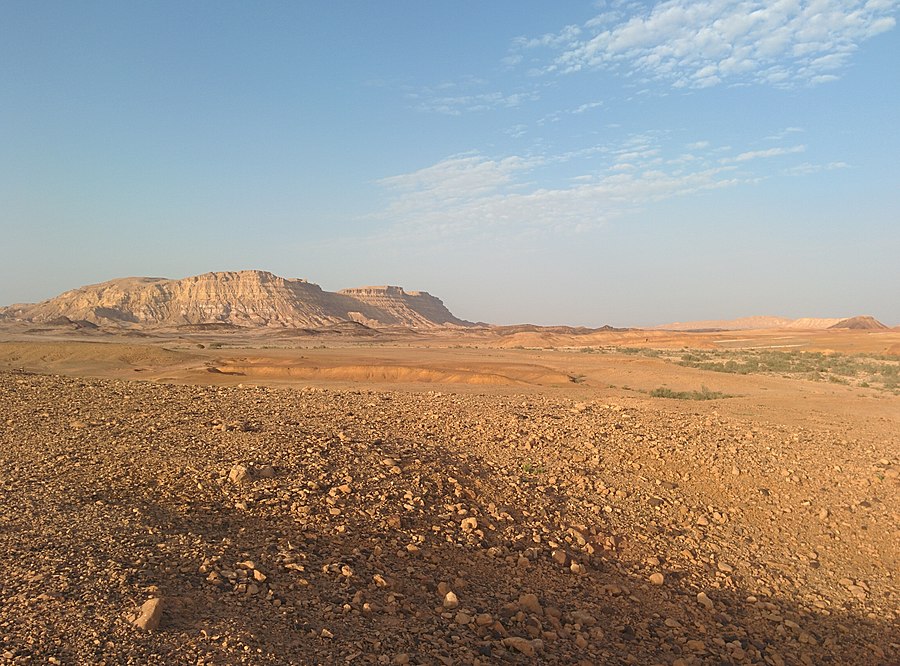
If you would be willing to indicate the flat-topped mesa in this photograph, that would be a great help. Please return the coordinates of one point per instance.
(407, 308)
(381, 290)
(243, 298)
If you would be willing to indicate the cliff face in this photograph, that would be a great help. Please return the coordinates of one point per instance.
(242, 298)
(409, 308)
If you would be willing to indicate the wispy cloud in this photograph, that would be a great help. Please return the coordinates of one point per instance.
(587, 106)
(455, 105)
(452, 183)
(474, 193)
(516, 131)
(703, 43)
(556, 116)
(806, 168)
(768, 152)
(778, 136)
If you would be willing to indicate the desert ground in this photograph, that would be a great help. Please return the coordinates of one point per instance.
(499, 495)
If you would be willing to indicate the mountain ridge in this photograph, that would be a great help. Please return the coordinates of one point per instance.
(762, 322)
(251, 298)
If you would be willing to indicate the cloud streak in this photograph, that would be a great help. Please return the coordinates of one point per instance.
(768, 152)
(456, 105)
(704, 43)
(474, 193)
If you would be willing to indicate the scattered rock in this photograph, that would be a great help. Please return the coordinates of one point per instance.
(451, 601)
(523, 645)
(239, 475)
(530, 603)
(148, 616)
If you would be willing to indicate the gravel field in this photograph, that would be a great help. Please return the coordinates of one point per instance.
(313, 526)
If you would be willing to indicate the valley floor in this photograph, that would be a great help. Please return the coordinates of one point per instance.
(512, 506)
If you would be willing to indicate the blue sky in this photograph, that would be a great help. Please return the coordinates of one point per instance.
(629, 163)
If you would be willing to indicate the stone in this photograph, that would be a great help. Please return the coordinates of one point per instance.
(469, 524)
(561, 557)
(239, 475)
(148, 616)
(463, 617)
(695, 645)
(704, 600)
(530, 603)
(451, 601)
(523, 645)
(484, 619)
(657, 578)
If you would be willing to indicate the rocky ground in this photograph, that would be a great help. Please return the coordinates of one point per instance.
(311, 526)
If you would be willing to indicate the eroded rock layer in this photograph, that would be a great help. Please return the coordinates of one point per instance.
(243, 298)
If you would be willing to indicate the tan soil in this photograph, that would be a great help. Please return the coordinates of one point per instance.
(327, 519)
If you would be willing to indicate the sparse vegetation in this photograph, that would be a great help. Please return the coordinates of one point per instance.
(703, 394)
(866, 370)
(529, 468)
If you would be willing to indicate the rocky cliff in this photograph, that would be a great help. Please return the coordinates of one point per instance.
(415, 308)
(242, 298)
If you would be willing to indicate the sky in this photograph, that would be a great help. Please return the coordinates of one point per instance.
(582, 163)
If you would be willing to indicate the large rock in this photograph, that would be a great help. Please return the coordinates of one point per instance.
(148, 616)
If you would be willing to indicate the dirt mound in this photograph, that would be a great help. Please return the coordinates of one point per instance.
(366, 373)
(863, 323)
(374, 372)
(87, 357)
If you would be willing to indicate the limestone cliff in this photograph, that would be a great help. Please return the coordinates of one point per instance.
(242, 298)
(409, 308)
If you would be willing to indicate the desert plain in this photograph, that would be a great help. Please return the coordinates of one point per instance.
(352, 495)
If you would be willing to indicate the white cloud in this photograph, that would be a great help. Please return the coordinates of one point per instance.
(586, 107)
(768, 152)
(455, 105)
(564, 37)
(778, 136)
(454, 184)
(473, 193)
(516, 131)
(806, 168)
(702, 43)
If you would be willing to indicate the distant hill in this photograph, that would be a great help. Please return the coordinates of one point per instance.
(764, 322)
(864, 323)
(242, 298)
